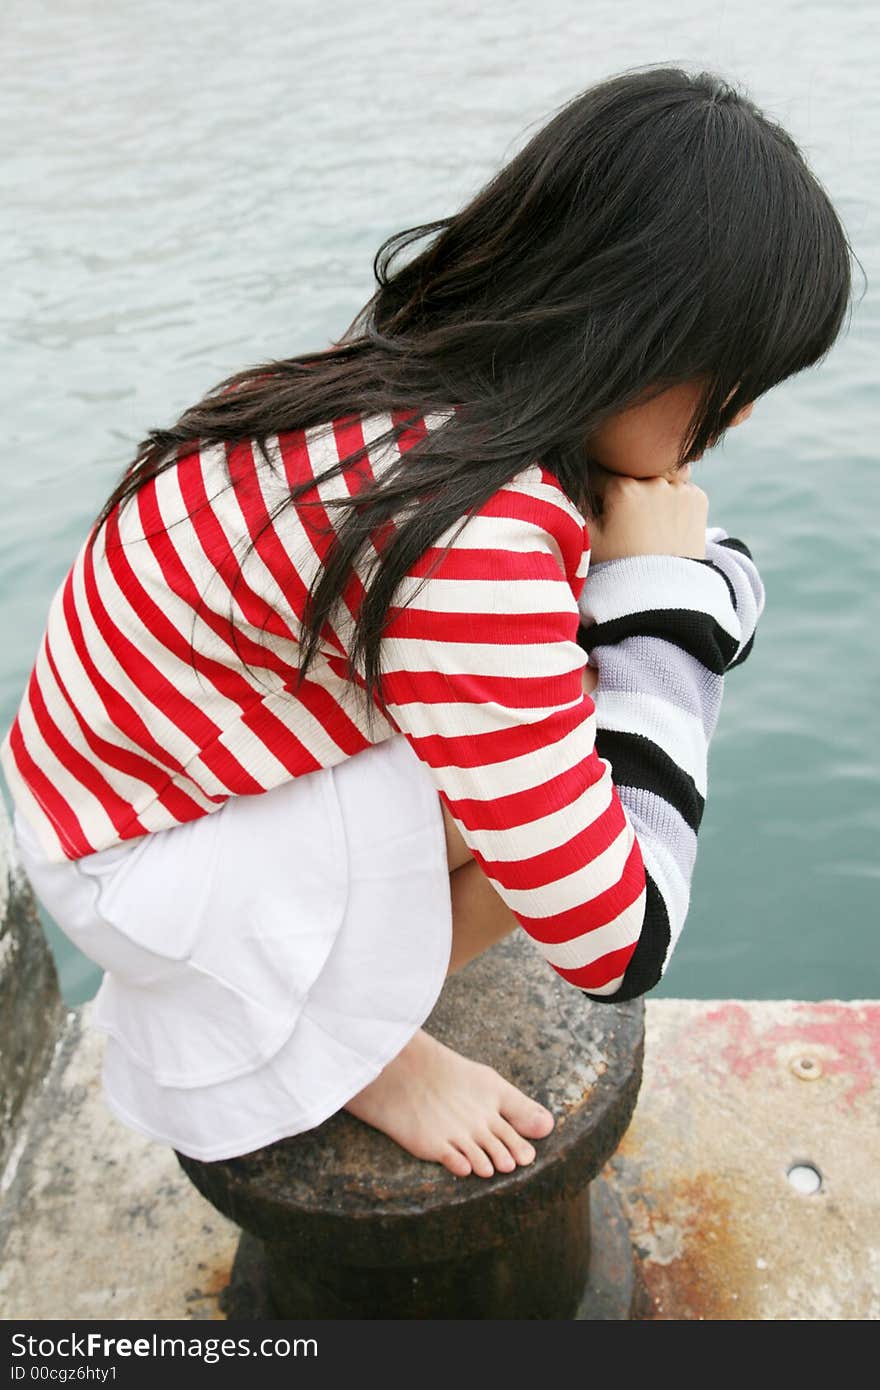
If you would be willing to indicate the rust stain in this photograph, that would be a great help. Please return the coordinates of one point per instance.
(629, 1146)
(570, 1106)
(216, 1281)
(692, 1262)
(208, 1291)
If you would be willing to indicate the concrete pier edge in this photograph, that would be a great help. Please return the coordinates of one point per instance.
(742, 1101)
(31, 1012)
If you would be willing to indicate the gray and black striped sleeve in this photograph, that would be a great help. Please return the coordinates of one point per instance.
(662, 630)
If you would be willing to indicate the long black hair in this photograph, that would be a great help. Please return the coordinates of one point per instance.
(658, 229)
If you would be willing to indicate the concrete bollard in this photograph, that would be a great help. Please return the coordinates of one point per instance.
(340, 1222)
(31, 1011)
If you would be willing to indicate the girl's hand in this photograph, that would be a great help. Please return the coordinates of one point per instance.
(663, 515)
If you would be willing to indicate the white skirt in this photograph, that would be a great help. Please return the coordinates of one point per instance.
(264, 963)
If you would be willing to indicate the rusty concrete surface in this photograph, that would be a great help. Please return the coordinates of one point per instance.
(734, 1095)
(98, 1223)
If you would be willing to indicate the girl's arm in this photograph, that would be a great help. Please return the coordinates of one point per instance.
(659, 689)
(483, 673)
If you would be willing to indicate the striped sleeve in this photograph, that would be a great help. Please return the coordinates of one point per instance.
(662, 632)
(482, 673)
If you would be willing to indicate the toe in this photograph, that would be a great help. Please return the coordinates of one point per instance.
(526, 1116)
(453, 1159)
(520, 1148)
(502, 1159)
(479, 1160)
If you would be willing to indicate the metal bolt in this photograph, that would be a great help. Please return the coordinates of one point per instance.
(806, 1068)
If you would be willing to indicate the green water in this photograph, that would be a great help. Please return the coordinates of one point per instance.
(195, 187)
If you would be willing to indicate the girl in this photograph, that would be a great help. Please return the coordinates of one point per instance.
(313, 720)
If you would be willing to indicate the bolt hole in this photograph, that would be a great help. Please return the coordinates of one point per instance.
(805, 1178)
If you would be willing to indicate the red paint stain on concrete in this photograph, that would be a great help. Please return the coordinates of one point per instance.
(847, 1041)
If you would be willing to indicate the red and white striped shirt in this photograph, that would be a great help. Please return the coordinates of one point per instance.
(163, 683)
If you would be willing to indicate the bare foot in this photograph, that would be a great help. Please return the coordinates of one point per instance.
(442, 1107)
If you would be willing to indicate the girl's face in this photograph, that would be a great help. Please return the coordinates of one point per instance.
(644, 441)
